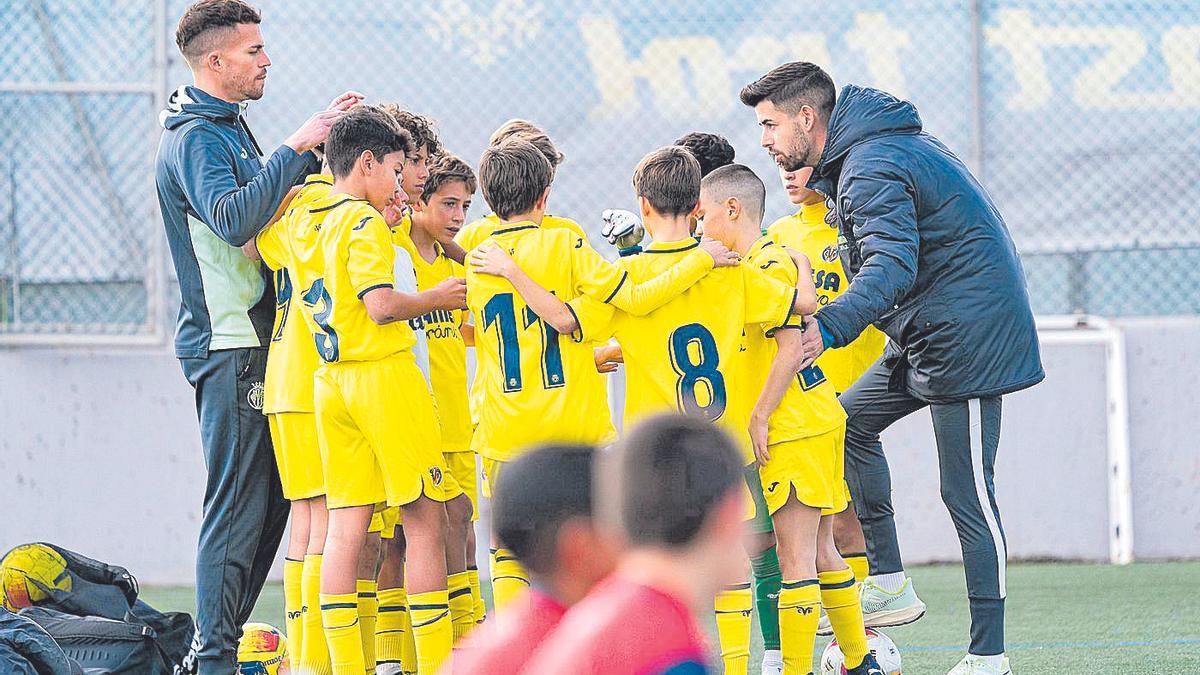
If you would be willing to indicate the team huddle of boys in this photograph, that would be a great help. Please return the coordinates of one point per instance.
(382, 287)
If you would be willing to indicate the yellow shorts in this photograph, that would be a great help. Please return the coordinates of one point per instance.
(463, 472)
(492, 470)
(810, 467)
(297, 454)
(384, 521)
(379, 434)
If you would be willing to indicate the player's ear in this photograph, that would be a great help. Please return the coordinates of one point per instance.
(541, 202)
(733, 206)
(644, 207)
(695, 212)
(365, 162)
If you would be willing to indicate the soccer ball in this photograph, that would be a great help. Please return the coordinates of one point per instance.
(28, 572)
(832, 660)
(262, 651)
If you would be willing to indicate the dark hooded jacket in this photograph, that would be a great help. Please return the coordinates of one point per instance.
(216, 192)
(931, 261)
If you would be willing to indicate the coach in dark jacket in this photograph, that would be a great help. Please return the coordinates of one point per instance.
(933, 266)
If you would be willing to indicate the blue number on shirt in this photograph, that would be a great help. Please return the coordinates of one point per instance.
(327, 341)
(810, 377)
(699, 369)
(552, 366)
(283, 302)
(500, 311)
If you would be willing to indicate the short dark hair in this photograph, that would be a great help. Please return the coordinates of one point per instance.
(513, 175)
(362, 128)
(791, 86)
(711, 150)
(738, 180)
(423, 129)
(661, 482)
(445, 169)
(670, 179)
(202, 22)
(536, 494)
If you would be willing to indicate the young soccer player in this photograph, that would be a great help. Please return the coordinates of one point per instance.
(473, 233)
(288, 404)
(437, 215)
(890, 600)
(528, 374)
(394, 646)
(374, 450)
(797, 429)
(673, 490)
(681, 357)
(543, 514)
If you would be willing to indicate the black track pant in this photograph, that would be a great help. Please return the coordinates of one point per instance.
(967, 433)
(244, 510)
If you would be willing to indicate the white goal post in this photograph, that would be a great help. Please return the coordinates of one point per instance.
(1093, 330)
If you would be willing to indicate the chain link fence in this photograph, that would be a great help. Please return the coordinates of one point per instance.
(1080, 118)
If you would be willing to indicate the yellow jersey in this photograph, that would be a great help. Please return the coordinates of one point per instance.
(291, 359)
(807, 232)
(810, 406)
(356, 256)
(684, 356)
(473, 233)
(447, 353)
(535, 385)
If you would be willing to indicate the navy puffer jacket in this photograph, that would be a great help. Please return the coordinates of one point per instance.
(931, 261)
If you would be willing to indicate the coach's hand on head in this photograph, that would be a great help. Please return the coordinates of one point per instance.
(313, 132)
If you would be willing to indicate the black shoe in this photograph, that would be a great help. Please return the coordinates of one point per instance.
(869, 666)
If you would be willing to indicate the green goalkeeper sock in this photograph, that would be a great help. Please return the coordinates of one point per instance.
(767, 581)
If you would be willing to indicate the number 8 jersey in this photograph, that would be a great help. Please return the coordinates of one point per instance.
(533, 381)
(684, 356)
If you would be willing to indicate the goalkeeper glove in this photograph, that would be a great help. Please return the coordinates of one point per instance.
(624, 230)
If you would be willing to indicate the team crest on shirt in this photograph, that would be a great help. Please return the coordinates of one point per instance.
(830, 254)
(255, 396)
(436, 474)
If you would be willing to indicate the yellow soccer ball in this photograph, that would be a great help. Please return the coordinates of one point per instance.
(262, 651)
(27, 572)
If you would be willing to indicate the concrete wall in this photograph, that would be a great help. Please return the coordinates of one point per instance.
(99, 451)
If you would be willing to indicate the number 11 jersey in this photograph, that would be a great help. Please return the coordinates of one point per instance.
(533, 381)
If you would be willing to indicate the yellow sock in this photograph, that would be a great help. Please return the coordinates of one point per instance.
(368, 612)
(858, 565)
(799, 612)
(839, 597)
(391, 628)
(462, 604)
(339, 616)
(431, 628)
(314, 654)
(509, 579)
(293, 609)
(734, 607)
(479, 610)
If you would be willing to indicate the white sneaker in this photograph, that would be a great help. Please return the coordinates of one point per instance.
(390, 669)
(772, 662)
(881, 608)
(980, 665)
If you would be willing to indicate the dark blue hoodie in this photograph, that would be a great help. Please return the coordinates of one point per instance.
(931, 260)
(216, 193)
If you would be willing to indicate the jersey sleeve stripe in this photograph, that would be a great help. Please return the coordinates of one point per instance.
(624, 277)
(577, 336)
(372, 287)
